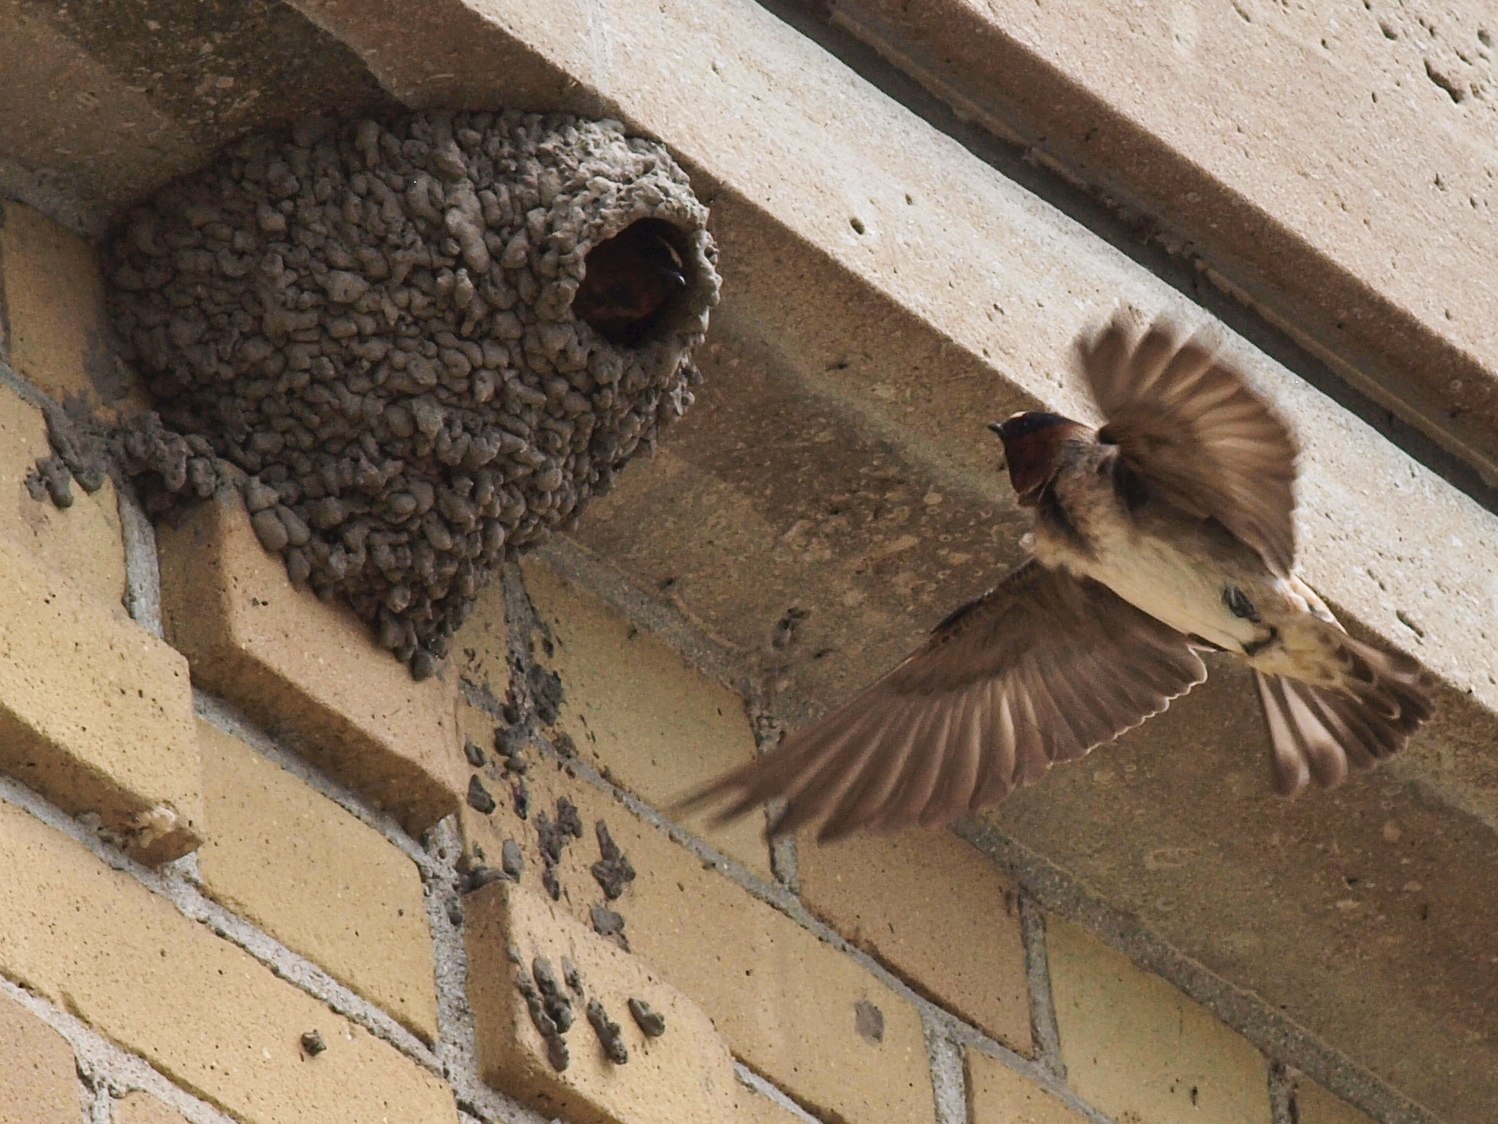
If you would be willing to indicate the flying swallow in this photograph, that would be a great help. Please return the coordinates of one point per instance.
(628, 280)
(1165, 532)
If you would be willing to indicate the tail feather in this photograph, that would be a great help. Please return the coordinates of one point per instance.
(1317, 733)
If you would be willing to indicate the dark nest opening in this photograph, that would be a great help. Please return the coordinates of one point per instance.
(634, 283)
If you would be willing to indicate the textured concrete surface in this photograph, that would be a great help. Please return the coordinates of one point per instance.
(107, 102)
(1332, 163)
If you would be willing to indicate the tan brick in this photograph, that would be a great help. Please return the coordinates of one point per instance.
(307, 669)
(998, 1094)
(481, 648)
(936, 911)
(95, 712)
(203, 1012)
(142, 1108)
(54, 298)
(1314, 1105)
(39, 1079)
(684, 1076)
(787, 1004)
(544, 783)
(316, 879)
(753, 1108)
(1134, 1044)
(84, 542)
(632, 706)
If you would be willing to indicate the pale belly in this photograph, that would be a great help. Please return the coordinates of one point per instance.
(1156, 576)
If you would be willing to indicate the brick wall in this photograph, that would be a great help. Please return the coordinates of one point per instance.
(253, 872)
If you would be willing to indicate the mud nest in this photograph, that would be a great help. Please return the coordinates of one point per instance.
(421, 344)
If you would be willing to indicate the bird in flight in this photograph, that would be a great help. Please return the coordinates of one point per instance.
(1165, 532)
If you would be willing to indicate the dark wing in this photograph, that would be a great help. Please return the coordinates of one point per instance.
(1040, 669)
(1189, 424)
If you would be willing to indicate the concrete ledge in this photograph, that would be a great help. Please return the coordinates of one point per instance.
(885, 295)
(1318, 168)
(932, 294)
(102, 109)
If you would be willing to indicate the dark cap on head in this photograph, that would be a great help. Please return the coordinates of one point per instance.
(1032, 445)
(1024, 424)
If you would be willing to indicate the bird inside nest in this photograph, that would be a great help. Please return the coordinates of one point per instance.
(1167, 532)
(629, 281)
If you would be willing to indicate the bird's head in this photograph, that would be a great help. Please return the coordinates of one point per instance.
(1032, 449)
(664, 263)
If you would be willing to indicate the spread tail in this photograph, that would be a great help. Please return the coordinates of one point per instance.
(1317, 733)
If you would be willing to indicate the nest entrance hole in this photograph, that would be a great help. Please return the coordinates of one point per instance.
(633, 282)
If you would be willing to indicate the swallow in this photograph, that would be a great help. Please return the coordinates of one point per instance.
(628, 280)
(1166, 532)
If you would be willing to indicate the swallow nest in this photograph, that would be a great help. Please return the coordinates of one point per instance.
(374, 324)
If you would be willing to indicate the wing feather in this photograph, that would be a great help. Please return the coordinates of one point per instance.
(1041, 669)
(1187, 422)
(997, 726)
(922, 772)
(876, 790)
(959, 777)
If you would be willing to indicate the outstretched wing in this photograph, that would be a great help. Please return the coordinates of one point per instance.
(1188, 423)
(1040, 669)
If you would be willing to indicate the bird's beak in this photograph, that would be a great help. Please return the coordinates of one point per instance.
(997, 428)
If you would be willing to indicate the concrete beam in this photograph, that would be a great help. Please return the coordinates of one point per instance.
(885, 294)
(1332, 166)
(102, 106)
